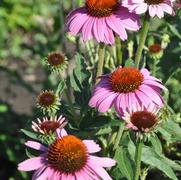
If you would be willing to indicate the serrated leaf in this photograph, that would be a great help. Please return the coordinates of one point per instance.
(123, 163)
(150, 157)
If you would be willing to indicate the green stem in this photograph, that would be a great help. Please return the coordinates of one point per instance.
(138, 159)
(142, 39)
(119, 53)
(119, 135)
(100, 60)
(154, 67)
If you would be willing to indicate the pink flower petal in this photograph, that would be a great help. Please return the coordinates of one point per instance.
(99, 170)
(99, 96)
(87, 29)
(115, 24)
(159, 12)
(167, 8)
(70, 177)
(80, 175)
(155, 83)
(103, 162)
(105, 104)
(142, 8)
(145, 101)
(92, 147)
(44, 175)
(151, 94)
(36, 145)
(152, 10)
(38, 172)
(108, 33)
(31, 164)
(61, 132)
(90, 173)
(74, 24)
(145, 72)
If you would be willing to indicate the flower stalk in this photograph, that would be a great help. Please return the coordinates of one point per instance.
(100, 60)
(138, 159)
(119, 135)
(142, 39)
(119, 53)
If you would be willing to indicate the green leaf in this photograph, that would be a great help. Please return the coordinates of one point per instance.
(29, 154)
(123, 162)
(150, 157)
(156, 144)
(129, 63)
(60, 87)
(80, 74)
(174, 30)
(30, 134)
(171, 131)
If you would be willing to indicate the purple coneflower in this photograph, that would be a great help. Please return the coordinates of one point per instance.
(67, 157)
(126, 87)
(154, 7)
(102, 20)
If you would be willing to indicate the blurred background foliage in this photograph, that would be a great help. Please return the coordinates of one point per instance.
(29, 30)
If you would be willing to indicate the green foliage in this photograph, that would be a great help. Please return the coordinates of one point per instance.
(29, 30)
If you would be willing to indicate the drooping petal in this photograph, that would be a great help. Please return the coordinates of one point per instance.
(99, 170)
(91, 146)
(36, 145)
(115, 24)
(61, 132)
(166, 8)
(155, 83)
(104, 162)
(31, 164)
(151, 94)
(152, 10)
(107, 102)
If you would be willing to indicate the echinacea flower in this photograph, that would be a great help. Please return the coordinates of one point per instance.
(154, 7)
(48, 126)
(48, 101)
(155, 51)
(102, 20)
(56, 61)
(142, 119)
(126, 87)
(69, 158)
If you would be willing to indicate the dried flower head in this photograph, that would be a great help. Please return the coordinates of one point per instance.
(56, 61)
(155, 51)
(48, 101)
(48, 126)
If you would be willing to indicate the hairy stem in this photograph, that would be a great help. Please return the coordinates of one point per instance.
(138, 159)
(119, 135)
(100, 60)
(142, 39)
(119, 53)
